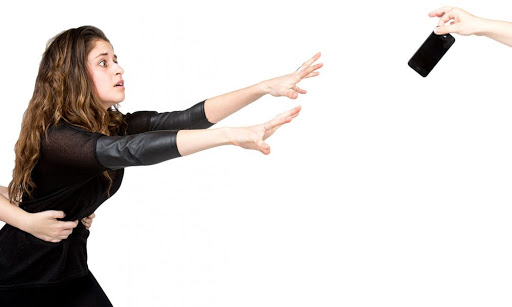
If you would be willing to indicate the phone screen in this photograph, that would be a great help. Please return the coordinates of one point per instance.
(429, 54)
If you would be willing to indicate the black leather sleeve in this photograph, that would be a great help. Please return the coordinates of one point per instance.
(115, 152)
(192, 118)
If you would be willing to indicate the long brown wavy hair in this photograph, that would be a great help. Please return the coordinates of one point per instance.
(64, 91)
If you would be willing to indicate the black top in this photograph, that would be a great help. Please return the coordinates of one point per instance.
(69, 176)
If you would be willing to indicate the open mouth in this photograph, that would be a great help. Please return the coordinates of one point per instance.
(119, 84)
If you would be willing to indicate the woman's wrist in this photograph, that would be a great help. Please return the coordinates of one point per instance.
(483, 27)
(264, 87)
(231, 136)
(223, 136)
(21, 219)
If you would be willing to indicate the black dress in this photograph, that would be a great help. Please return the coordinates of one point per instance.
(69, 176)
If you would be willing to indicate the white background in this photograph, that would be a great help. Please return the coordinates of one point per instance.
(388, 190)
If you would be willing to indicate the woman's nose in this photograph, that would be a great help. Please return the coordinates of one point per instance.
(119, 70)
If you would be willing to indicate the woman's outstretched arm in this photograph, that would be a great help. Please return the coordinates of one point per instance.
(43, 225)
(252, 137)
(220, 107)
(206, 113)
(116, 152)
(456, 20)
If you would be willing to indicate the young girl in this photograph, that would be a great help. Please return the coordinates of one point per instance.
(74, 145)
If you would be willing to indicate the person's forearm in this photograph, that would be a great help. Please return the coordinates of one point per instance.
(4, 191)
(500, 31)
(192, 141)
(12, 214)
(220, 107)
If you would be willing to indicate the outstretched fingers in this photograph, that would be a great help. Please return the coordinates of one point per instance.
(287, 84)
(282, 118)
(290, 113)
(271, 126)
(310, 71)
(313, 74)
(310, 61)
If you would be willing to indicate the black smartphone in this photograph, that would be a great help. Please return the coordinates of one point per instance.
(429, 54)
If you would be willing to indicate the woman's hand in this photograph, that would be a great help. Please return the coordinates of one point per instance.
(87, 221)
(287, 85)
(46, 226)
(461, 22)
(254, 137)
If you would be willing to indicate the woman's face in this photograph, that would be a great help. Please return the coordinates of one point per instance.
(106, 74)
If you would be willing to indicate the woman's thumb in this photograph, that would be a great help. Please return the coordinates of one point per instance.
(445, 29)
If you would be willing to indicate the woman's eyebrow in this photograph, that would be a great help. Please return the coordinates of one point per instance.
(106, 53)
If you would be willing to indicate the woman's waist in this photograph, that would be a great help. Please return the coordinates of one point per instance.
(27, 260)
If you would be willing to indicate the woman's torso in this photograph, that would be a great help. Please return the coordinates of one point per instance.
(69, 178)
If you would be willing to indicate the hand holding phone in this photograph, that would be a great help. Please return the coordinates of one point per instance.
(430, 53)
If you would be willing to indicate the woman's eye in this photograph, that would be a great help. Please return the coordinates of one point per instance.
(103, 63)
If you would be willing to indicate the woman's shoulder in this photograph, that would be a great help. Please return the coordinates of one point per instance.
(65, 127)
(64, 132)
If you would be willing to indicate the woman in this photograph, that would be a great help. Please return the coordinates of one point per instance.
(74, 145)
(456, 20)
